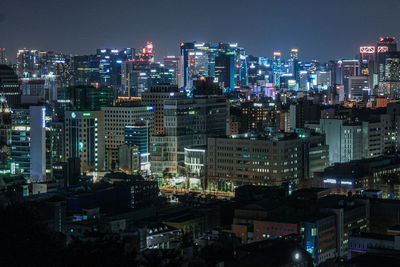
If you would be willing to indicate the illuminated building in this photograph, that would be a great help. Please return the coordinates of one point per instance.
(320, 237)
(9, 86)
(294, 54)
(385, 45)
(3, 58)
(303, 111)
(277, 62)
(188, 122)
(110, 63)
(254, 159)
(28, 141)
(90, 97)
(129, 159)
(5, 122)
(146, 53)
(199, 60)
(195, 165)
(47, 87)
(186, 48)
(155, 98)
(224, 70)
(117, 117)
(294, 63)
(345, 69)
(160, 75)
(324, 80)
(179, 121)
(135, 76)
(356, 86)
(253, 70)
(367, 60)
(28, 64)
(85, 138)
(344, 139)
(175, 63)
(138, 135)
(392, 67)
(241, 67)
(256, 116)
(84, 70)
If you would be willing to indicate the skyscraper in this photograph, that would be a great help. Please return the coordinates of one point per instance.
(276, 62)
(384, 46)
(84, 138)
(294, 63)
(29, 142)
(392, 67)
(155, 98)
(3, 58)
(225, 70)
(175, 63)
(9, 86)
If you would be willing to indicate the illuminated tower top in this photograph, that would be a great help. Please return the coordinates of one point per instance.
(294, 54)
(387, 44)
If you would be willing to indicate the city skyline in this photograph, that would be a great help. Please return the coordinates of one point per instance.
(330, 32)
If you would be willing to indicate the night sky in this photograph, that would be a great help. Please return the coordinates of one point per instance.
(321, 29)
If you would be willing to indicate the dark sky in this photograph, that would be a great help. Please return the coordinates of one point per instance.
(321, 29)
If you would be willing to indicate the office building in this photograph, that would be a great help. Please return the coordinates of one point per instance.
(188, 122)
(9, 86)
(85, 138)
(90, 97)
(117, 117)
(392, 67)
(155, 98)
(175, 63)
(28, 141)
(84, 70)
(254, 159)
(129, 159)
(343, 138)
(358, 85)
(138, 135)
(225, 70)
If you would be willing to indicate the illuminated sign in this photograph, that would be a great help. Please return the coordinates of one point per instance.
(73, 115)
(257, 104)
(150, 108)
(277, 54)
(43, 117)
(13, 168)
(86, 114)
(330, 181)
(367, 49)
(383, 49)
(346, 182)
(295, 50)
(292, 82)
